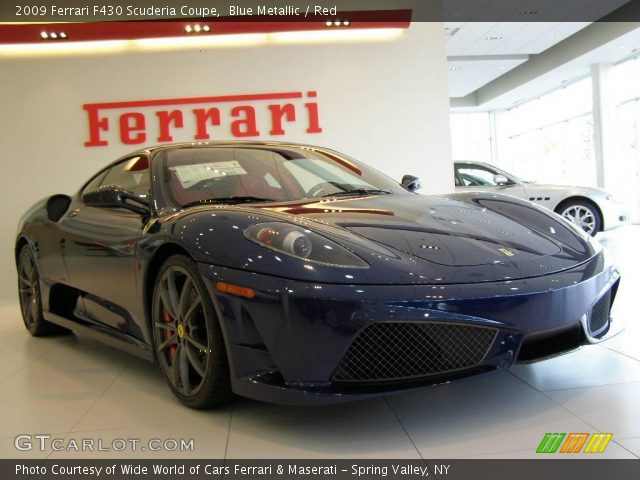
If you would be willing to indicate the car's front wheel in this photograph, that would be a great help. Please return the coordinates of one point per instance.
(582, 214)
(30, 297)
(188, 339)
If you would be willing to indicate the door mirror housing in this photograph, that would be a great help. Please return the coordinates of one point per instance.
(500, 179)
(411, 183)
(112, 196)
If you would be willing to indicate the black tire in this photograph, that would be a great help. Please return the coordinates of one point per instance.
(585, 215)
(30, 297)
(188, 340)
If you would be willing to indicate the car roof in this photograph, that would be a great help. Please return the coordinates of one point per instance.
(471, 162)
(220, 143)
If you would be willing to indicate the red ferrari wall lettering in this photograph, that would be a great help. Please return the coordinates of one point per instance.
(144, 121)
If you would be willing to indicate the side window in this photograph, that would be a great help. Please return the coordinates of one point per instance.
(131, 175)
(472, 176)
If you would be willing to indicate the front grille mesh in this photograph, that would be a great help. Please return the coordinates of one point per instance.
(599, 316)
(396, 351)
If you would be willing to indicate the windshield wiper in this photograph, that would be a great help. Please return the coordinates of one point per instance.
(358, 191)
(228, 200)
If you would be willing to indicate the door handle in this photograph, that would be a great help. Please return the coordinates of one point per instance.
(73, 213)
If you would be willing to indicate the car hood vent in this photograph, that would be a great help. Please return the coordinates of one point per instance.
(443, 239)
(460, 248)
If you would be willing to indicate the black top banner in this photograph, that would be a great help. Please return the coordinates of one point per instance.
(29, 11)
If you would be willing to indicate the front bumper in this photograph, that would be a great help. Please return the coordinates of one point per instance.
(288, 344)
(614, 215)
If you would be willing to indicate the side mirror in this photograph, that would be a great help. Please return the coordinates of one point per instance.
(411, 183)
(111, 196)
(500, 179)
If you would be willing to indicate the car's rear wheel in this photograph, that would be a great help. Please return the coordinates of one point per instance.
(582, 214)
(188, 339)
(30, 297)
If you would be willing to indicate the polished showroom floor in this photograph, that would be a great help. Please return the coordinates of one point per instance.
(75, 388)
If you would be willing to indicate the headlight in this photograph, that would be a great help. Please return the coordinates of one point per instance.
(301, 243)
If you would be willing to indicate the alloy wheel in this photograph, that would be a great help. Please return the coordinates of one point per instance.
(181, 331)
(581, 216)
(28, 289)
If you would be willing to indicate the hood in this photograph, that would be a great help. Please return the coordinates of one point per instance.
(505, 237)
(405, 238)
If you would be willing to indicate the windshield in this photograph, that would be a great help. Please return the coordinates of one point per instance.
(263, 174)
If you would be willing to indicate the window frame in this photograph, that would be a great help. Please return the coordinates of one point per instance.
(105, 171)
(487, 168)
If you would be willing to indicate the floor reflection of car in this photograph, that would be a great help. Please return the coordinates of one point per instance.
(592, 209)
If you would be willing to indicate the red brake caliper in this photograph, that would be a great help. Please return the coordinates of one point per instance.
(169, 319)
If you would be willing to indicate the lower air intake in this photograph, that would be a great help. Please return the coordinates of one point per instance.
(394, 351)
(599, 316)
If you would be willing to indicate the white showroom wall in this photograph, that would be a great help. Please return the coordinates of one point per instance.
(383, 101)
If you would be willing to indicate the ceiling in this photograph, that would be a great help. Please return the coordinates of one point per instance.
(479, 52)
(482, 51)
(528, 10)
(618, 50)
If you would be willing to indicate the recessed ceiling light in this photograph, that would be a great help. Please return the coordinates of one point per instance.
(53, 35)
(337, 23)
(187, 29)
(454, 68)
(206, 28)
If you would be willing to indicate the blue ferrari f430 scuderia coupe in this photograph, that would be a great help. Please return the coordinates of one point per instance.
(295, 274)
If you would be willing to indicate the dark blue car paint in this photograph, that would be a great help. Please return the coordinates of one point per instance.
(303, 329)
(468, 259)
